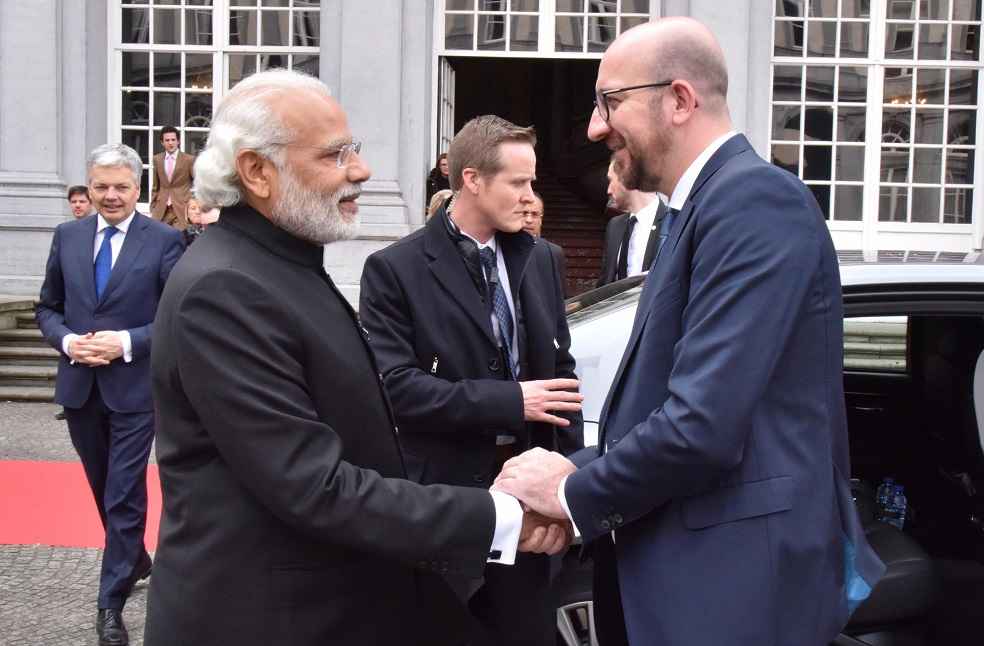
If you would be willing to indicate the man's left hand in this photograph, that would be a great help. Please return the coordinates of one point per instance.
(534, 477)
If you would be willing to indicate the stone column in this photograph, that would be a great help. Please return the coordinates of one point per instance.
(375, 58)
(46, 93)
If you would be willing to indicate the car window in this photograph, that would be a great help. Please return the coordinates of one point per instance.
(876, 343)
(595, 302)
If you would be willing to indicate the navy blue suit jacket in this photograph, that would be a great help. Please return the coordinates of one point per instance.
(68, 305)
(726, 471)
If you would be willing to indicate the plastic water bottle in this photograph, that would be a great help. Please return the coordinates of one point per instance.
(885, 489)
(895, 509)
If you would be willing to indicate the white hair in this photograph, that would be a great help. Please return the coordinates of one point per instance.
(115, 156)
(244, 120)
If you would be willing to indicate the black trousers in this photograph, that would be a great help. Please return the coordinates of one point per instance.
(513, 604)
(606, 596)
(114, 448)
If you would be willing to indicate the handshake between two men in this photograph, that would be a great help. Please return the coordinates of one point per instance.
(534, 477)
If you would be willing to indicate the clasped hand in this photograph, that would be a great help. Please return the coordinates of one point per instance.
(96, 348)
(534, 478)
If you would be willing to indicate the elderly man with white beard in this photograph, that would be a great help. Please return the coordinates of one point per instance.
(287, 517)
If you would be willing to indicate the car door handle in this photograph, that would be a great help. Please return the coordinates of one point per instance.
(869, 409)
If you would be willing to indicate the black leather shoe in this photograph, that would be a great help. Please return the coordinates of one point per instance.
(143, 569)
(110, 627)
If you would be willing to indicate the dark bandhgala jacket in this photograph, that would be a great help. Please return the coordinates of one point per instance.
(287, 518)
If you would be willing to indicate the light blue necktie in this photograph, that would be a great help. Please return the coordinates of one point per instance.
(104, 261)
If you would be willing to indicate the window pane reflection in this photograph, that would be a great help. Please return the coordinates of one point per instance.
(136, 69)
(822, 195)
(963, 87)
(786, 122)
(492, 32)
(818, 124)
(927, 165)
(786, 82)
(817, 161)
(167, 109)
(819, 83)
(853, 84)
(925, 204)
(523, 33)
(136, 26)
(957, 205)
(198, 27)
(786, 156)
(965, 42)
(848, 203)
(930, 86)
(895, 164)
(959, 166)
(167, 70)
(899, 40)
(932, 43)
(850, 163)
(854, 39)
(167, 26)
(198, 110)
(628, 23)
(307, 63)
(634, 6)
(240, 66)
(601, 32)
(275, 28)
(851, 124)
(136, 108)
(569, 35)
(893, 203)
(963, 127)
(138, 140)
(789, 38)
(198, 71)
(459, 30)
(929, 127)
(822, 38)
(307, 28)
(242, 27)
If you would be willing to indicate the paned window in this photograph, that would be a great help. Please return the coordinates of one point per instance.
(917, 63)
(175, 59)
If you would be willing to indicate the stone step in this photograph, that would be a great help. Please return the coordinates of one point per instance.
(28, 355)
(16, 371)
(23, 337)
(27, 393)
(26, 321)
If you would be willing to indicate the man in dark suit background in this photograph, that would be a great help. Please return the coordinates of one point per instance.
(632, 238)
(103, 280)
(533, 225)
(717, 502)
(466, 318)
(287, 517)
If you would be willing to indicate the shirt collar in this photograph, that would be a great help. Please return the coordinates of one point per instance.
(172, 155)
(491, 244)
(682, 190)
(647, 215)
(121, 227)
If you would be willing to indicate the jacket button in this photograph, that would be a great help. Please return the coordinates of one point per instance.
(605, 525)
(617, 519)
(494, 364)
(479, 478)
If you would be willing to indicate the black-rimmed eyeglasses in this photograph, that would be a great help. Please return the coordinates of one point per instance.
(601, 98)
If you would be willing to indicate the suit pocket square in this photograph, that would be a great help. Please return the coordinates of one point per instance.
(739, 502)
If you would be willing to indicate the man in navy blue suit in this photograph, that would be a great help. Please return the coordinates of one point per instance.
(717, 502)
(103, 280)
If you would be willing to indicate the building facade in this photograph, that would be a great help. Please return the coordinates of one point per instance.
(874, 104)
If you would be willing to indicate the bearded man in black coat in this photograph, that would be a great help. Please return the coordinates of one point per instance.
(287, 517)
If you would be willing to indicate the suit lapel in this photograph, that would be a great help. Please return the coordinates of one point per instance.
(132, 244)
(449, 269)
(85, 254)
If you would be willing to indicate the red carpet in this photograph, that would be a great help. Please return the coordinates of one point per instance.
(49, 503)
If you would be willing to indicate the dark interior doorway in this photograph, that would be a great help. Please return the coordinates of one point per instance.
(555, 96)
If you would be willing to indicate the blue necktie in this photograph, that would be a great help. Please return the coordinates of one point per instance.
(664, 230)
(500, 307)
(104, 261)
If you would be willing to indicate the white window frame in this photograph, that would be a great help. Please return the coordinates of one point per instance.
(219, 50)
(870, 232)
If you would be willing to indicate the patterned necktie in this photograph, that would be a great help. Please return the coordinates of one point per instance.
(104, 261)
(622, 269)
(500, 307)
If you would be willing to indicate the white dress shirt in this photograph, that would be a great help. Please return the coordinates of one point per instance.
(679, 197)
(639, 239)
(115, 245)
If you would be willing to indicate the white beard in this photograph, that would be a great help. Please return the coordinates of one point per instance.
(313, 216)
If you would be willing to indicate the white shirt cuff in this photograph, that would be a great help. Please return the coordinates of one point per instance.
(563, 503)
(68, 338)
(508, 525)
(127, 345)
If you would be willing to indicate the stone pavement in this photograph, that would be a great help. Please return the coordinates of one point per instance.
(48, 594)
